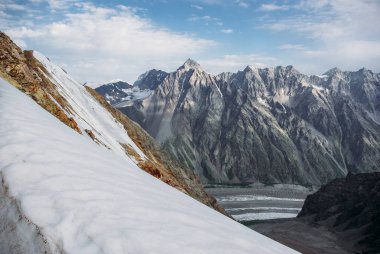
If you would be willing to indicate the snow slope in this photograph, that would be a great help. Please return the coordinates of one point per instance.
(87, 199)
(87, 112)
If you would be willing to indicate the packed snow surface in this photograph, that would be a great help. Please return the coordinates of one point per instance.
(87, 112)
(87, 199)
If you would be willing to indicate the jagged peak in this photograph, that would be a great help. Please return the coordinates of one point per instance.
(150, 79)
(279, 67)
(365, 71)
(117, 80)
(191, 64)
(287, 68)
(150, 72)
(251, 68)
(116, 83)
(332, 71)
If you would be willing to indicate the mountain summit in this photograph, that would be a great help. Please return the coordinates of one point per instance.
(191, 64)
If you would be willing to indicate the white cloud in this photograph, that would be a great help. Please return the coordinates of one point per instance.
(242, 4)
(210, 2)
(12, 6)
(60, 4)
(204, 18)
(273, 7)
(4, 15)
(332, 19)
(224, 3)
(344, 33)
(198, 7)
(227, 31)
(98, 44)
(234, 63)
(292, 46)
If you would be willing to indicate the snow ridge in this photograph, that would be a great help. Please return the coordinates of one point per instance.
(87, 112)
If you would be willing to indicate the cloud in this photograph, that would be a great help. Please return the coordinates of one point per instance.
(60, 4)
(12, 6)
(235, 62)
(224, 3)
(198, 7)
(206, 19)
(227, 31)
(343, 33)
(4, 15)
(242, 4)
(98, 43)
(210, 2)
(273, 7)
(331, 19)
(292, 46)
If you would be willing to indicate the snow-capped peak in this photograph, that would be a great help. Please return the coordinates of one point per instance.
(251, 68)
(191, 64)
(116, 80)
(332, 71)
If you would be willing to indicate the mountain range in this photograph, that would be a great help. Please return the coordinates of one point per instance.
(270, 125)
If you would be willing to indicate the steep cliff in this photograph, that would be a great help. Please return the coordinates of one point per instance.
(351, 207)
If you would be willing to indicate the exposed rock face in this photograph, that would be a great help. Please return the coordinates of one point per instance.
(150, 79)
(22, 70)
(341, 217)
(270, 125)
(30, 76)
(351, 207)
(115, 91)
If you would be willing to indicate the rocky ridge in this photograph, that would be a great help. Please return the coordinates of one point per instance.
(273, 125)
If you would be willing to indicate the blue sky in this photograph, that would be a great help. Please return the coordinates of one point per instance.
(98, 41)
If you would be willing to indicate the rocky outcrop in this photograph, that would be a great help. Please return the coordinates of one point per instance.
(22, 70)
(349, 206)
(149, 80)
(115, 91)
(272, 125)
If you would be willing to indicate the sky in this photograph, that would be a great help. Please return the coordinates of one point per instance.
(99, 41)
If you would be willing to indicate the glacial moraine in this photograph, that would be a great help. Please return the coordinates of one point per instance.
(260, 202)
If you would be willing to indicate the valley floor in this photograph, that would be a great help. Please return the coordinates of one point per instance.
(260, 202)
(271, 211)
(299, 235)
